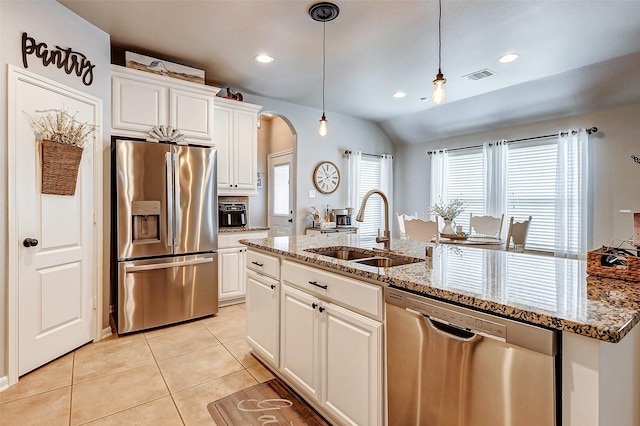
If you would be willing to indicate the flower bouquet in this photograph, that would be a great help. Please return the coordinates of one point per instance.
(448, 212)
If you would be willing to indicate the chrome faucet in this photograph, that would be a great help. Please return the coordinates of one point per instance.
(386, 238)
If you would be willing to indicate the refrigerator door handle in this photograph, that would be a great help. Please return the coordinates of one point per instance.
(167, 265)
(170, 207)
(176, 189)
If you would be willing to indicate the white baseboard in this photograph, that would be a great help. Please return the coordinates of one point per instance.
(106, 332)
(4, 383)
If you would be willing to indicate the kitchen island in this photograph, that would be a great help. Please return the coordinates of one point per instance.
(600, 348)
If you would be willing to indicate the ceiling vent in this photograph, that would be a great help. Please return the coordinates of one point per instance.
(478, 75)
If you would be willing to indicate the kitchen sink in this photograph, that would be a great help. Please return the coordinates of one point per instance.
(344, 254)
(366, 257)
(386, 262)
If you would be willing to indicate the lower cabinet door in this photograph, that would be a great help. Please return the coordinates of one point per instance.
(352, 370)
(231, 265)
(299, 351)
(263, 316)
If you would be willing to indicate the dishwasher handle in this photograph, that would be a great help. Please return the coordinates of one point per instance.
(444, 327)
(452, 331)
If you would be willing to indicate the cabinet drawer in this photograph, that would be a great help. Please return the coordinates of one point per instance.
(350, 293)
(263, 263)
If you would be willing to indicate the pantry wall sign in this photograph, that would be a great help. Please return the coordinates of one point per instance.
(67, 59)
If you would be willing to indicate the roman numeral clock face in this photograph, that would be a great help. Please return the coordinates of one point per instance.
(326, 177)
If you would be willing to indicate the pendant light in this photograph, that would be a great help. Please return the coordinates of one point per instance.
(323, 12)
(438, 91)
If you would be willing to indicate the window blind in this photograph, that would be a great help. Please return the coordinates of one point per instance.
(465, 180)
(370, 179)
(531, 180)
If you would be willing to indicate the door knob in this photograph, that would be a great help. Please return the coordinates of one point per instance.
(30, 242)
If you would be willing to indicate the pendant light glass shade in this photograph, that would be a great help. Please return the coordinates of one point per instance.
(438, 89)
(323, 129)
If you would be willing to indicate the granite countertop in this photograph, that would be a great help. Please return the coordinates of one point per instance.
(242, 229)
(542, 290)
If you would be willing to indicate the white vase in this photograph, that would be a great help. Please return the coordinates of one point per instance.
(448, 229)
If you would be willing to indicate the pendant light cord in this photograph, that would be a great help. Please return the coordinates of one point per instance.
(324, 37)
(439, 36)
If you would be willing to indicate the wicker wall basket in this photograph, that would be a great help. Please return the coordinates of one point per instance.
(60, 164)
(629, 273)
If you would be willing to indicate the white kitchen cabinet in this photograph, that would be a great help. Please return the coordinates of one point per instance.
(142, 100)
(263, 306)
(236, 139)
(231, 265)
(332, 355)
(299, 340)
(231, 274)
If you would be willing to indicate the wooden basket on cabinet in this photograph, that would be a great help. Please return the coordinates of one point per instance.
(595, 266)
(60, 164)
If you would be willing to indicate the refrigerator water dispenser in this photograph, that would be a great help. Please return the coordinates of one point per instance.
(146, 222)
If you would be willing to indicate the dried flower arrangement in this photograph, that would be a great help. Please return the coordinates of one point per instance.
(448, 211)
(59, 126)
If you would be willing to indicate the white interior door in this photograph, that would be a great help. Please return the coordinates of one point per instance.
(281, 194)
(55, 275)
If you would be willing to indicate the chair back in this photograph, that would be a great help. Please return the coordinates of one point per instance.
(422, 230)
(486, 226)
(517, 234)
(401, 217)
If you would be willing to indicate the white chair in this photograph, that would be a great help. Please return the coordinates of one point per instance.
(486, 226)
(423, 230)
(401, 217)
(518, 232)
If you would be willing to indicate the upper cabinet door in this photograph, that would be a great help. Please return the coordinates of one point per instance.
(142, 101)
(192, 113)
(222, 139)
(247, 150)
(137, 105)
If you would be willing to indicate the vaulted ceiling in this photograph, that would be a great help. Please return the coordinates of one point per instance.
(576, 56)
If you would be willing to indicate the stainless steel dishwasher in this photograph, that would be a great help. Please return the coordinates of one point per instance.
(452, 366)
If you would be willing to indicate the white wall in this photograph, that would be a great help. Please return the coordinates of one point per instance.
(615, 175)
(345, 132)
(51, 23)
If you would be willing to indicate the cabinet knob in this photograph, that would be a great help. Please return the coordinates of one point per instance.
(314, 305)
(30, 242)
(273, 286)
(321, 309)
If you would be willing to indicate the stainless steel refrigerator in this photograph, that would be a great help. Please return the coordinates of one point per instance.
(166, 233)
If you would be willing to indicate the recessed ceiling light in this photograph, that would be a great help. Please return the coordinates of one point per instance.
(264, 59)
(399, 95)
(509, 57)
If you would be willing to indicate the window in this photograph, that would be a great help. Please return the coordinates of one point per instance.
(465, 181)
(370, 178)
(545, 179)
(281, 189)
(531, 190)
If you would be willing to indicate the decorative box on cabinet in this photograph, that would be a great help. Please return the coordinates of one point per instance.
(236, 139)
(142, 100)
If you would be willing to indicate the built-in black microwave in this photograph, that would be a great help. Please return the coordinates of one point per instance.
(232, 214)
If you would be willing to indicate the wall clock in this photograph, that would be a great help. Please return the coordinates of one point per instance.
(326, 177)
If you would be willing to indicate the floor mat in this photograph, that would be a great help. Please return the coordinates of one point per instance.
(271, 402)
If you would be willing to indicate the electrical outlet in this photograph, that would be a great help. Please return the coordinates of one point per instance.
(636, 229)
(312, 193)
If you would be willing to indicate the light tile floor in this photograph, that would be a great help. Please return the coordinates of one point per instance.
(165, 376)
